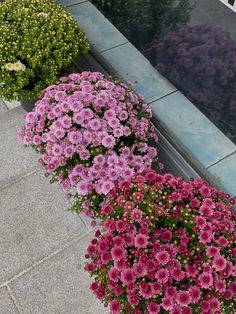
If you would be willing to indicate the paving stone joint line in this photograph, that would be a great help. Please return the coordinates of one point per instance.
(13, 299)
(225, 157)
(51, 255)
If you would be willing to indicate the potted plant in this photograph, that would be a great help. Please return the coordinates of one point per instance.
(91, 132)
(165, 246)
(39, 41)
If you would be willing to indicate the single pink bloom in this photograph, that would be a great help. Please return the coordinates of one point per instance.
(205, 280)
(115, 307)
(140, 241)
(162, 257)
(128, 276)
(183, 298)
(219, 262)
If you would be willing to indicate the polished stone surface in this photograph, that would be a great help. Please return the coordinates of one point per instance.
(101, 33)
(185, 123)
(225, 173)
(131, 65)
(59, 285)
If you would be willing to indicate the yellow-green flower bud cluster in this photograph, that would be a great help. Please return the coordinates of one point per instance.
(39, 40)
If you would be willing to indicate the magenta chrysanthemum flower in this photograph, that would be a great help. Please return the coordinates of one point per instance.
(232, 288)
(219, 262)
(153, 308)
(133, 300)
(214, 305)
(117, 253)
(162, 275)
(212, 251)
(195, 294)
(128, 276)
(183, 298)
(95, 124)
(113, 274)
(205, 237)
(220, 285)
(205, 280)
(140, 241)
(162, 257)
(115, 307)
(167, 303)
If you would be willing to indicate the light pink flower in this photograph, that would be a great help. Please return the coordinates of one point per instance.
(108, 141)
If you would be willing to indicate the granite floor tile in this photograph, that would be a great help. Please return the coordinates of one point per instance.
(34, 223)
(12, 104)
(59, 285)
(7, 305)
(3, 107)
(15, 160)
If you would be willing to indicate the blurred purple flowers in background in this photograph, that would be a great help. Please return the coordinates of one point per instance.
(201, 61)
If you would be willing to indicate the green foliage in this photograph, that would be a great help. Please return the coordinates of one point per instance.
(143, 20)
(39, 40)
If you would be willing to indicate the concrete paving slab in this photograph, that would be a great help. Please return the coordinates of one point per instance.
(15, 160)
(59, 285)
(3, 107)
(33, 224)
(7, 305)
(12, 104)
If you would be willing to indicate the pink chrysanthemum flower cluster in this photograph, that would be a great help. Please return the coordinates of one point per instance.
(91, 132)
(166, 247)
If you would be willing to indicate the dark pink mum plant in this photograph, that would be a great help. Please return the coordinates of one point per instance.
(166, 246)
